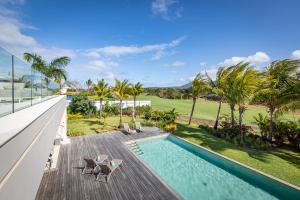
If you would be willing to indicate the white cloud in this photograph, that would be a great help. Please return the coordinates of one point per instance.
(296, 54)
(101, 64)
(256, 59)
(167, 9)
(212, 72)
(10, 32)
(116, 51)
(15, 41)
(176, 63)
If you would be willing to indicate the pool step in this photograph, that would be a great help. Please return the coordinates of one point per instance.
(136, 148)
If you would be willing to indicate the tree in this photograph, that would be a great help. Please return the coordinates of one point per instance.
(135, 90)
(37, 62)
(102, 90)
(121, 91)
(198, 86)
(245, 85)
(57, 69)
(277, 80)
(216, 87)
(89, 84)
(290, 96)
(54, 70)
(228, 80)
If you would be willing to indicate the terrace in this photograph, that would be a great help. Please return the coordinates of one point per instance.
(132, 181)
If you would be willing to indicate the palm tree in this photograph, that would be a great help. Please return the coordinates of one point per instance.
(89, 84)
(229, 77)
(57, 69)
(278, 77)
(58, 74)
(246, 85)
(37, 62)
(216, 87)
(135, 90)
(198, 86)
(103, 91)
(53, 70)
(121, 91)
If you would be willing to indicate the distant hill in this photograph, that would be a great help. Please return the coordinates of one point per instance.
(182, 87)
(185, 86)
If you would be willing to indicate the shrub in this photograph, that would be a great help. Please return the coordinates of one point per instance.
(73, 133)
(127, 111)
(111, 110)
(74, 116)
(283, 131)
(81, 104)
(263, 124)
(143, 110)
(166, 117)
(172, 128)
(147, 123)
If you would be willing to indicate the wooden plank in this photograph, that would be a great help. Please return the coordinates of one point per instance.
(131, 181)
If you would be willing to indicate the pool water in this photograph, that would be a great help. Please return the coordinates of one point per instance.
(195, 173)
(69, 98)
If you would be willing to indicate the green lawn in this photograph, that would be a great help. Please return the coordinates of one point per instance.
(94, 125)
(206, 109)
(281, 163)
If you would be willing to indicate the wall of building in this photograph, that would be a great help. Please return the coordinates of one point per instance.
(26, 139)
(125, 104)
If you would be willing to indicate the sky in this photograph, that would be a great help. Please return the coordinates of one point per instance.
(156, 42)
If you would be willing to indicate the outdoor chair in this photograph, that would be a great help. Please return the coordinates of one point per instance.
(138, 127)
(90, 164)
(127, 129)
(106, 170)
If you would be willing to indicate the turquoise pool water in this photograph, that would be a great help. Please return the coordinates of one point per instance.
(195, 173)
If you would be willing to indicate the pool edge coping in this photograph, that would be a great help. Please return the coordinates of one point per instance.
(148, 167)
(225, 157)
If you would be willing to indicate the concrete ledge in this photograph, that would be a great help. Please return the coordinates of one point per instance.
(26, 144)
(13, 123)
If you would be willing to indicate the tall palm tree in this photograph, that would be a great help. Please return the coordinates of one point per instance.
(37, 62)
(89, 84)
(57, 69)
(103, 91)
(135, 90)
(277, 78)
(53, 70)
(246, 85)
(290, 97)
(121, 91)
(217, 88)
(198, 86)
(58, 74)
(229, 77)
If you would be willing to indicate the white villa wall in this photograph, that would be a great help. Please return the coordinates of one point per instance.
(125, 104)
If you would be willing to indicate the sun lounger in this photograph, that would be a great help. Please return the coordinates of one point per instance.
(91, 164)
(127, 129)
(106, 170)
(138, 127)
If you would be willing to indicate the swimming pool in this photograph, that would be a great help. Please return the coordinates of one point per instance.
(195, 173)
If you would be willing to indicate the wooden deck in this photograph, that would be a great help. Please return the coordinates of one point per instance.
(132, 181)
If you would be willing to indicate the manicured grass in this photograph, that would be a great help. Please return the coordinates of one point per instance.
(94, 125)
(207, 109)
(281, 163)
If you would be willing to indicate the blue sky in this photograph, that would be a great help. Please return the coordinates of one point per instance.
(157, 42)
